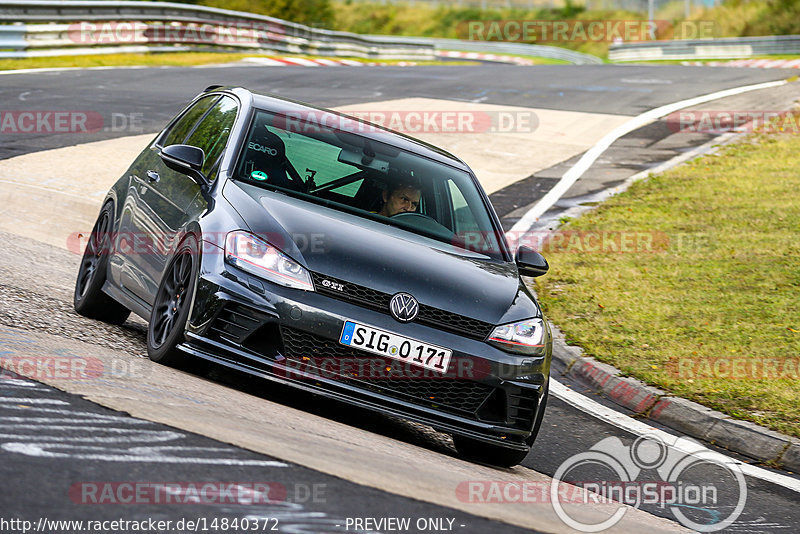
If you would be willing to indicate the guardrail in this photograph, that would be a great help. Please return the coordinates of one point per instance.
(689, 49)
(75, 27)
(96, 27)
(489, 47)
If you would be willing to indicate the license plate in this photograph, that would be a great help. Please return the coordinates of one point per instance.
(394, 346)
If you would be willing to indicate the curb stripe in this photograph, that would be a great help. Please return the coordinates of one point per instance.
(749, 63)
(639, 428)
(585, 162)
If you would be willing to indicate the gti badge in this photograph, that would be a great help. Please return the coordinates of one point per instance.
(404, 307)
(333, 285)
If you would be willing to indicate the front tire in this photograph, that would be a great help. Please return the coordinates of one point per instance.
(89, 299)
(165, 330)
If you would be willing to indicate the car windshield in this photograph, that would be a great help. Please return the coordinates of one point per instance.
(354, 173)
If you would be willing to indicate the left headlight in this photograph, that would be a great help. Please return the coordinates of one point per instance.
(256, 256)
(524, 337)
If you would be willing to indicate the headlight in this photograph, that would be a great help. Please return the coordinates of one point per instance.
(524, 337)
(254, 255)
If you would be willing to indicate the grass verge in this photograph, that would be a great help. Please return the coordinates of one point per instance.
(167, 59)
(690, 281)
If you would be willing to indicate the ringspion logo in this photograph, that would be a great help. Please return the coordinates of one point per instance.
(704, 490)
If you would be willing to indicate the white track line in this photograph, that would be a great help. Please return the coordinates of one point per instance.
(586, 161)
(560, 391)
(26, 400)
(639, 428)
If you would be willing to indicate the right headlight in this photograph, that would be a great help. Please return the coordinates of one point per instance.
(258, 257)
(523, 337)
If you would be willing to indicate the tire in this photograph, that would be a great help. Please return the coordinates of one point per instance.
(89, 299)
(165, 330)
(487, 453)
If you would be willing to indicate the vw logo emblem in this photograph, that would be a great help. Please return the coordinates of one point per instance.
(404, 307)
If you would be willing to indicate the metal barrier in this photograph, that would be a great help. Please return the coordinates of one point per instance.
(724, 48)
(522, 49)
(551, 52)
(108, 27)
(75, 27)
(12, 37)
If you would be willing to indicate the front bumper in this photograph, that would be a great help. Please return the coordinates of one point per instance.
(291, 336)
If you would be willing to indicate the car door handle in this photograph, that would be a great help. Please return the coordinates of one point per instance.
(153, 176)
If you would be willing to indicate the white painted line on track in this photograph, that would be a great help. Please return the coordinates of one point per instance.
(20, 400)
(38, 450)
(586, 161)
(577, 400)
(601, 196)
(639, 428)
(64, 69)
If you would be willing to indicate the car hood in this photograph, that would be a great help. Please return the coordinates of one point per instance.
(385, 258)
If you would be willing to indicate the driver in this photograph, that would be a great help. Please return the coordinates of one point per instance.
(400, 198)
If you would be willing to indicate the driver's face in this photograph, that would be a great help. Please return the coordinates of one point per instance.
(401, 200)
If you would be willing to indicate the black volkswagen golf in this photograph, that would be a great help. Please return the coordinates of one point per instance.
(316, 250)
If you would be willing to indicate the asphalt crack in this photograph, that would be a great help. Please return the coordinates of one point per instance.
(28, 310)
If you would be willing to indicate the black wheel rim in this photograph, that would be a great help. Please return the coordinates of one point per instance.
(171, 298)
(95, 249)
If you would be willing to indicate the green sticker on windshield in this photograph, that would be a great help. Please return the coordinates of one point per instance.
(258, 175)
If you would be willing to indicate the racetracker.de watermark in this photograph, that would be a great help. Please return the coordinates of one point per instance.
(198, 492)
(735, 368)
(410, 121)
(582, 31)
(232, 34)
(149, 243)
(546, 242)
(64, 366)
(68, 122)
(589, 241)
(723, 121)
(309, 367)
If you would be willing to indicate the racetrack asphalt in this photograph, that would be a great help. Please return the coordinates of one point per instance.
(623, 90)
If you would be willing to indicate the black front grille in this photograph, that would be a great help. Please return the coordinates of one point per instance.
(324, 357)
(350, 292)
(379, 301)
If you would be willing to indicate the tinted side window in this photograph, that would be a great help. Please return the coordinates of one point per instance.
(178, 131)
(212, 133)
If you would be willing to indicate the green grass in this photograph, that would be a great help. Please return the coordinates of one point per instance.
(451, 21)
(719, 283)
(733, 18)
(176, 59)
(170, 59)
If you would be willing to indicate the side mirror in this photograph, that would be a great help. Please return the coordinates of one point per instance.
(185, 159)
(531, 263)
